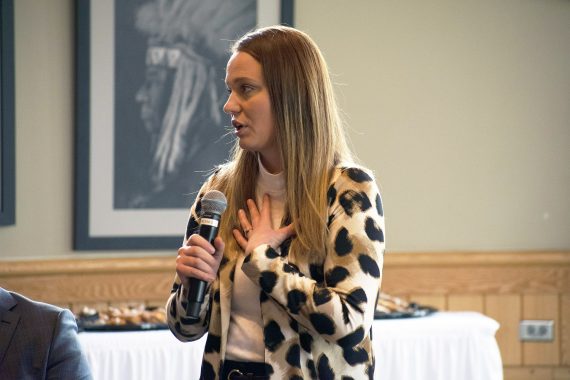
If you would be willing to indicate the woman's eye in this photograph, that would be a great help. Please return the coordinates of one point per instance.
(246, 89)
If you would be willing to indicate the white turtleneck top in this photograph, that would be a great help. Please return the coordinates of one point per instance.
(245, 335)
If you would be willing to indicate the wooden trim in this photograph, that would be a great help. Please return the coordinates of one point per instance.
(487, 258)
(10, 268)
(79, 265)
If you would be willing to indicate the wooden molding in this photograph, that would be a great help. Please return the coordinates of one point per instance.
(487, 258)
(11, 268)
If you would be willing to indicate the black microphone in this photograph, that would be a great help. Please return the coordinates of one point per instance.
(213, 205)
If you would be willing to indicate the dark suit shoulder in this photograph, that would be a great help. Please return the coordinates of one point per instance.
(45, 310)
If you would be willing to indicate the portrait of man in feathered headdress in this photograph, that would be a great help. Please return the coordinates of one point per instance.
(178, 104)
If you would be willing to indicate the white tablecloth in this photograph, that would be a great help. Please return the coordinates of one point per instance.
(443, 346)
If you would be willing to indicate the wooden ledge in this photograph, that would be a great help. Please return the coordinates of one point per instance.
(82, 265)
(487, 258)
(12, 268)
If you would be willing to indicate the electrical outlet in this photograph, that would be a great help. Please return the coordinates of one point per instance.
(536, 331)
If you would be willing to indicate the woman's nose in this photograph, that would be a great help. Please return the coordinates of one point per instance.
(231, 106)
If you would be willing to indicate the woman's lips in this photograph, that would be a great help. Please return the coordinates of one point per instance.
(238, 126)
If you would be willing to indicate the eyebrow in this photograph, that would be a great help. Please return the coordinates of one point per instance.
(241, 79)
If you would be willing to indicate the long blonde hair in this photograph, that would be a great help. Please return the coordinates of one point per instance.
(308, 130)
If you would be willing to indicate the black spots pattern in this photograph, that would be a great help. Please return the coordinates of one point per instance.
(297, 269)
(217, 296)
(268, 369)
(345, 312)
(267, 281)
(324, 368)
(295, 300)
(358, 175)
(207, 371)
(284, 247)
(213, 343)
(321, 296)
(352, 339)
(223, 262)
(295, 377)
(294, 325)
(290, 268)
(247, 259)
(352, 202)
(263, 297)
(331, 195)
(350, 350)
(336, 275)
(192, 226)
(373, 231)
(356, 356)
(270, 253)
(316, 272)
(330, 219)
(306, 341)
(172, 309)
(178, 328)
(233, 274)
(342, 244)
(322, 323)
(379, 206)
(370, 370)
(293, 356)
(312, 369)
(369, 265)
(273, 336)
(189, 321)
(357, 297)
(347, 378)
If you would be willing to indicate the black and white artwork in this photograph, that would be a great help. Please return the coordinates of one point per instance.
(150, 125)
(170, 104)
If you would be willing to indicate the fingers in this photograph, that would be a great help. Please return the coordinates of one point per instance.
(257, 214)
(241, 240)
(199, 259)
(253, 211)
(288, 231)
(220, 246)
(244, 222)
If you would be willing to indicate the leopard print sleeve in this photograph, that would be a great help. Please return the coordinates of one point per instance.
(337, 300)
(184, 328)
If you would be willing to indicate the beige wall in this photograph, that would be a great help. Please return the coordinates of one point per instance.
(462, 108)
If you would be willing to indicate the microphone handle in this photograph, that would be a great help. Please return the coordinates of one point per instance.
(208, 230)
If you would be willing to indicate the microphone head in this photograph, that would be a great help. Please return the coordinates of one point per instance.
(214, 202)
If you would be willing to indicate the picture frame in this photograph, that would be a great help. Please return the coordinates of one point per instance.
(7, 138)
(140, 66)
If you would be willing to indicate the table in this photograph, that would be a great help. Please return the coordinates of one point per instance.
(442, 346)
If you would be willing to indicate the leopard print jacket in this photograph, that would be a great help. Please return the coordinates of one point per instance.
(317, 318)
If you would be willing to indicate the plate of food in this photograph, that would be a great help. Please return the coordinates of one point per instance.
(127, 318)
(390, 307)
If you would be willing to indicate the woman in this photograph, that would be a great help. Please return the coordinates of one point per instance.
(292, 281)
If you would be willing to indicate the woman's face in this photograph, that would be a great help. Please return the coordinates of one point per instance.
(250, 108)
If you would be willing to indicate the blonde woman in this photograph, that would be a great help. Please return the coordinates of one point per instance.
(294, 274)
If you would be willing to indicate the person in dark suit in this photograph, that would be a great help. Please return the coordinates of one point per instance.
(38, 341)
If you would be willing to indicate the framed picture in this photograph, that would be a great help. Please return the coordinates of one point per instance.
(149, 119)
(7, 141)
